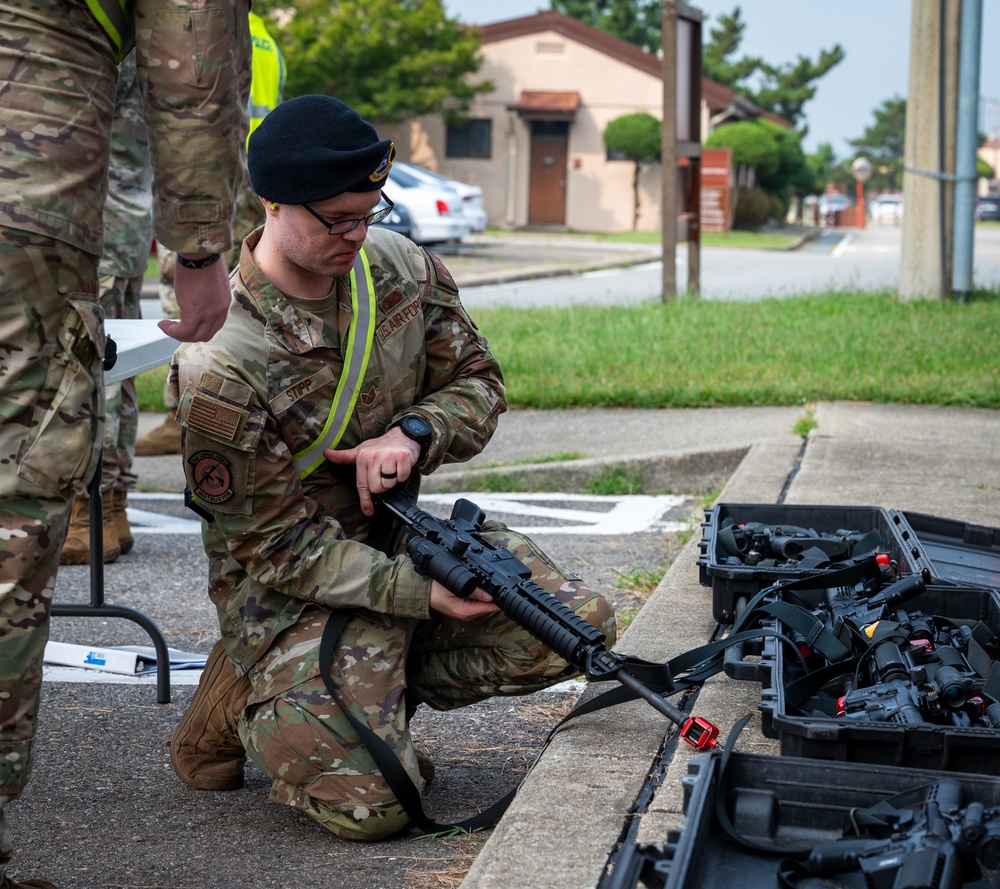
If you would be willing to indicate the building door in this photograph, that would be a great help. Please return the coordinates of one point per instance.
(547, 185)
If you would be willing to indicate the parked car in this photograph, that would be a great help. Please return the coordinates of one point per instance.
(832, 203)
(886, 209)
(433, 211)
(470, 195)
(828, 208)
(988, 208)
(399, 220)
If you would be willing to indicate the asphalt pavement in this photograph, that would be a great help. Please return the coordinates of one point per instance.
(104, 809)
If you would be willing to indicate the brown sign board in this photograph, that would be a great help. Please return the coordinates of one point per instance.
(716, 189)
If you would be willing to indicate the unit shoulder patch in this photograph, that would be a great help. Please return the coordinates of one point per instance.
(212, 477)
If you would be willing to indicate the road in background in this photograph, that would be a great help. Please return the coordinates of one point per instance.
(519, 269)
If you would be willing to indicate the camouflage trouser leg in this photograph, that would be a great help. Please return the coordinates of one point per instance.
(120, 299)
(51, 418)
(301, 739)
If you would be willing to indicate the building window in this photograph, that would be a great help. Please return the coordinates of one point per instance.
(470, 139)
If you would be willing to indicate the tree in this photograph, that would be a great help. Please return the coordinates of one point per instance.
(781, 89)
(640, 22)
(883, 143)
(389, 59)
(724, 40)
(755, 150)
(768, 156)
(638, 136)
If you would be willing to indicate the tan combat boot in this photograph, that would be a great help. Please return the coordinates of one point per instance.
(76, 550)
(117, 500)
(164, 439)
(206, 751)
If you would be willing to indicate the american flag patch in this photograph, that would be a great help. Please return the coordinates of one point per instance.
(212, 416)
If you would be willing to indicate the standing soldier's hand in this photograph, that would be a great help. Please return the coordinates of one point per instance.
(203, 297)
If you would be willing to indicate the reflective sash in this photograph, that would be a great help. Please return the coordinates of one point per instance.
(360, 336)
(115, 20)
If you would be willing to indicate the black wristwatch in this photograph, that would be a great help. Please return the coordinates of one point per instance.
(416, 427)
(211, 259)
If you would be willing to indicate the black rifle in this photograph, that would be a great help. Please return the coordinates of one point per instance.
(455, 554)
(923, 838)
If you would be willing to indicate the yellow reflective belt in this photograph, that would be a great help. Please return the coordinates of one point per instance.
(116, 21)
(360, 336)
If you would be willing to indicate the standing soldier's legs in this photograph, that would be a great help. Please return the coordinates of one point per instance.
(76, 550)
(51, 416)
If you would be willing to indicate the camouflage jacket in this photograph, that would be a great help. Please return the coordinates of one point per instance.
(261, 390)
(193, 59)
(128, 210)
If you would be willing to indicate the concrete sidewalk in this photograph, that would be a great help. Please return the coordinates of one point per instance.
(578, 802)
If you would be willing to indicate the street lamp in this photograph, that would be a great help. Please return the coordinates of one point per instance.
(862, 171)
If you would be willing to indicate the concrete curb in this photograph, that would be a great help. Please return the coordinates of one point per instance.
(518, 853)
(683, 473)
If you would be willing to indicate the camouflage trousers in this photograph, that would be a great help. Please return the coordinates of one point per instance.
(51, 423)
(384, 668)
(120, 299)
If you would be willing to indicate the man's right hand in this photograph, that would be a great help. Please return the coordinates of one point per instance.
(479, 604)
(203, 297)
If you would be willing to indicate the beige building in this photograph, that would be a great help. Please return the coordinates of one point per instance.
(989, 151)
(534, 144)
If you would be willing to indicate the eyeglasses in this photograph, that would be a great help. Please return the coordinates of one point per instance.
(343, 226)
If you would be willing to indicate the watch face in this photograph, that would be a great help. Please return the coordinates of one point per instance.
(417, 428)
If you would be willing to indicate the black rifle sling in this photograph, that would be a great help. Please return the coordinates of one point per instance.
(385, 757)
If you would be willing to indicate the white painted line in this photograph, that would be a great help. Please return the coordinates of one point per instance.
(626, 514)
(596, 514)
(843, 244)
(144, 522)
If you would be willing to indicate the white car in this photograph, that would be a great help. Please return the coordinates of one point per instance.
(886, 209)
(833, 203)
(430, 214)
(470, 195)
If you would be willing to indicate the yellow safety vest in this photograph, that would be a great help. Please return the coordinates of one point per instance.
(360, 336)
(115, 18)
(268, 72)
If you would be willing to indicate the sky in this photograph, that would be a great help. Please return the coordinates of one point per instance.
(875, 36)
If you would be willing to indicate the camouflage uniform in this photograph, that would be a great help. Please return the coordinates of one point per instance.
(128, 235)
(59, 74)
(285, 550)
(267, 65)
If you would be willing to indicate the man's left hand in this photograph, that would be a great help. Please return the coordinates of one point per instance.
(380, 463)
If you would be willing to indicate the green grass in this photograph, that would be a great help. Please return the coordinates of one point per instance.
(692, 353)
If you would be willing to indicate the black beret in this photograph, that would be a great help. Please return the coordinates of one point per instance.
(313, 148)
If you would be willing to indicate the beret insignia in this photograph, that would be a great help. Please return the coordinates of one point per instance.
(382, 170)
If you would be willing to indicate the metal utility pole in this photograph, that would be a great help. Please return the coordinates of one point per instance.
(680, 149)
(967, 141)
(668, 151)
(929, 162)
